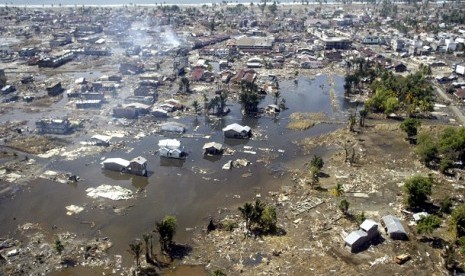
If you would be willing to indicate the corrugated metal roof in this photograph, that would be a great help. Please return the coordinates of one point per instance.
(393, 225)
(355, 236)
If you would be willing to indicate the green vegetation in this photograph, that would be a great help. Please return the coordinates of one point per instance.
(317, 162)
(135, 248)
(417, 189)
(344, 206)
(410, 126)
(259, 217)
(196, 106)
(457, 221)
(218, 272)
(338, 190)
(59, 247)
(428, 224)
(414, 91)
(448, 148)
(359, 218)
(426, 148)
(446, 205)
(166, 230)
(249, 97)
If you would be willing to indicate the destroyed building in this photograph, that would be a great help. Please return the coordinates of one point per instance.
(53, 126)
(54, 88)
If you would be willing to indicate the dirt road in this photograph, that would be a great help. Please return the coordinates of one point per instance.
(457, 110)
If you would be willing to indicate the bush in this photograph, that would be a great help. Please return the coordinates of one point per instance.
(344, 206)
(317, 162)
(446, 205)
(360, 217)
(410, 126)
(417, 189)
(229, 225)
(428, 224)
(458, 221)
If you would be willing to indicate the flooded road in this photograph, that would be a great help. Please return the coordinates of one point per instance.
(193, 189)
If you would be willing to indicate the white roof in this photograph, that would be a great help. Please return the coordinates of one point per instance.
(215, 145)
(355, 236)
(140, 160)
(120, 161)
(237, 128)
(103, 138)
(368, 224)
(169, 143)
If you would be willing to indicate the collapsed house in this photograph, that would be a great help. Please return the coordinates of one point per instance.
(137, 166)
(100, 140)
(53, 126)
(237, 131)
(173, 127)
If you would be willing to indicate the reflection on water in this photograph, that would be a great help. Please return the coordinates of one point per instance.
(171, 162)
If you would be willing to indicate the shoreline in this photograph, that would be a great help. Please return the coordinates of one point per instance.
(135, 5)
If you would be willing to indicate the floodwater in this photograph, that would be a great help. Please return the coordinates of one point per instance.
(194, 189)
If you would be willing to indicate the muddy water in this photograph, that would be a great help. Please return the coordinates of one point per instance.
(193, 190)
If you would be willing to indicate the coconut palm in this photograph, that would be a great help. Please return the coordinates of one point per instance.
(247, 213)
(338, 190)
(166, 230)
(135, 248)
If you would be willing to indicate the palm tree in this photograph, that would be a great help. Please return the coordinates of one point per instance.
(257, 211)
(222, 101)
(314, 174)
(338, 190)
(344, 206)
(247, 213)
(352, 121)
(196, 107)
(363, 116)
(276, 96)
(166, 230)
(135, 248)
(148, 254)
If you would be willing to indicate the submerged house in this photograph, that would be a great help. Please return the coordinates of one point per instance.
(137, 166)
(100, 140)
(115, 164)
(394, 228)
(171, 148)
(173, 127)
(212, 148)
(237, 131)
(172, 153)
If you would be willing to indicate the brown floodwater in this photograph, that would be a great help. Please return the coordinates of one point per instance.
(192, 190)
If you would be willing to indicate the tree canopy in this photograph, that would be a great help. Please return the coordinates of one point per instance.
(417, 189)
